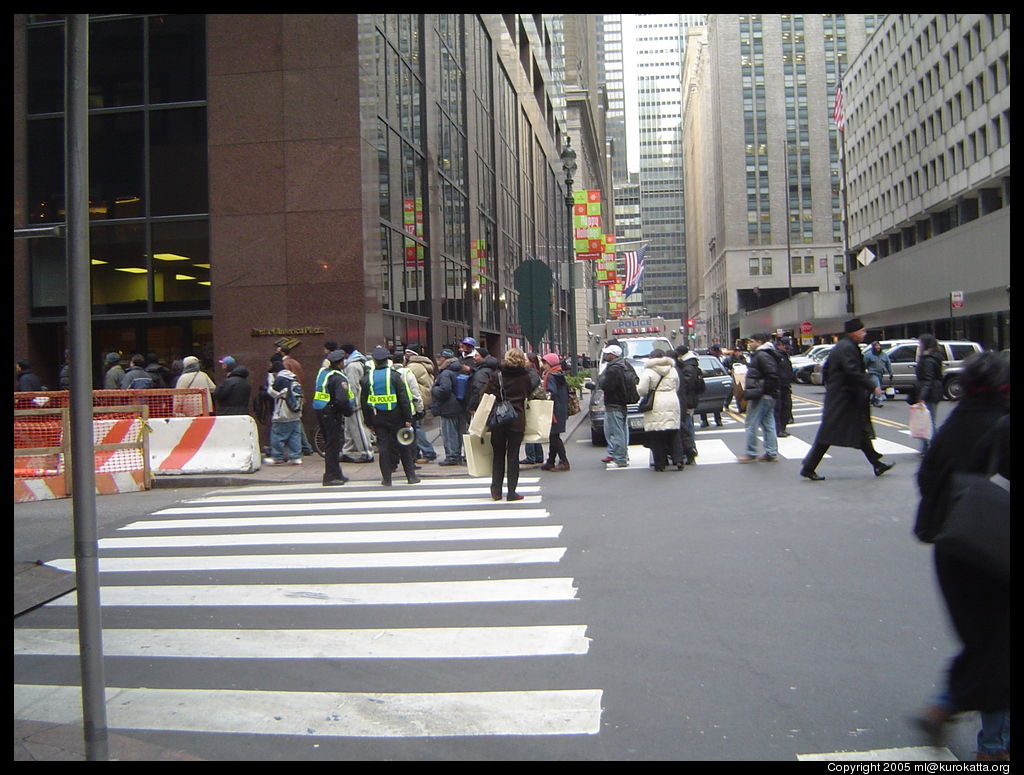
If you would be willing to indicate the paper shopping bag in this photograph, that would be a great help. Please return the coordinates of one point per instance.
(538, 421)
(479, 454)
(478, 425)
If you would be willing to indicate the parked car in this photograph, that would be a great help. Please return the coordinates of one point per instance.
(715, 398)
(903, 356)
(803, 367)
(806, 359)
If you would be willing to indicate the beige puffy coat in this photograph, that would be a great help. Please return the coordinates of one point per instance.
(665, 414)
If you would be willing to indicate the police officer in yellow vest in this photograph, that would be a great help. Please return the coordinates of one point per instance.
(333, 401)
(387, 407)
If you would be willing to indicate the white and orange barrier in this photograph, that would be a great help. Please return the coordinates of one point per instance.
(41, 447)
(204, 445)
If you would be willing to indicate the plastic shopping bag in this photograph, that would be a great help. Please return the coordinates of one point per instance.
(920, 422)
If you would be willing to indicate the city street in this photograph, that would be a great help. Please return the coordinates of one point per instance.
(726, 612)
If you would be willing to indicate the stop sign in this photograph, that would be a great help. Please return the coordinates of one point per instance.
(805, 327)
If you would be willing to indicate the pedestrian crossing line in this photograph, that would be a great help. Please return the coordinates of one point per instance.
(376, 643)
(387, 593)
(320, 561)
(528, 500)
(340, 537)
(920, 753)
(345, 497)
(205, 523)
(325, 714)
(428, 483)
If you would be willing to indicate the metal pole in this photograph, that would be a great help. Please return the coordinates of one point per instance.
(572, 279)
(83, 474)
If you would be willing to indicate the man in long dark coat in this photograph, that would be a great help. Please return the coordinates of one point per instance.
(846, 418)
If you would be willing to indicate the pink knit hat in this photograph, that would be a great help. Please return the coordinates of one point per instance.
(552, 359)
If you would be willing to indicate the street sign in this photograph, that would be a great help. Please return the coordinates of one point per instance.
(956, 300)
(805, 327)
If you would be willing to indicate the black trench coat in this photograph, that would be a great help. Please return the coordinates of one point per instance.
(846, 418)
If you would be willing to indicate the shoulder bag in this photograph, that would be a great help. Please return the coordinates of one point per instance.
(504, 412)
(647, 402)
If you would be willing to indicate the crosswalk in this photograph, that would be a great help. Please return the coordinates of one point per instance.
(722, 444)
(419, 573)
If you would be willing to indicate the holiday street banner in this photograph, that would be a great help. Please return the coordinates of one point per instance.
(588, 233)
(606, 270)
(412, 220)
(478, 260)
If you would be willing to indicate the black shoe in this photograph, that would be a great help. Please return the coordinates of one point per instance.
(448, 463)
(881, 468)
(414, 479)
(811, 475)
(335, 482)
(385, 483)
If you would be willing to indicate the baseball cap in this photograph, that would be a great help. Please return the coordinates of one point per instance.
(614, 349)
(227, 360)
(470, 341)
(336, 355)
(380, 354)
(113, 357)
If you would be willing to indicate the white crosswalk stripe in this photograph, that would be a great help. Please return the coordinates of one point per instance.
(722, 445)
(210, 555)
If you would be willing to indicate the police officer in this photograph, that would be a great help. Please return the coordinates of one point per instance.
(387, 406)
(333, 401)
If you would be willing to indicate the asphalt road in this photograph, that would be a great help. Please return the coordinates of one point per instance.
(726, 612)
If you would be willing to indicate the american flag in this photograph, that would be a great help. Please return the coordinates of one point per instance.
(634, 269)
(837, 109)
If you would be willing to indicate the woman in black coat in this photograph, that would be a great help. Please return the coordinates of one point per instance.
(928, 388)
(975, 435)
(513, 381)
(558, 389)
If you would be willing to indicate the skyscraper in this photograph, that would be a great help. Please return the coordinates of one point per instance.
(658, 47)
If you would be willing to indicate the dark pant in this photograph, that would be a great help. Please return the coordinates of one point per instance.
(662, 444)
(783, 409)
(556, 449)
(506, 456)
(332, 426)
(390, 451)
(818, 452)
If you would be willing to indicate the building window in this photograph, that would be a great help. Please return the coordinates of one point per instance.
(147, 162)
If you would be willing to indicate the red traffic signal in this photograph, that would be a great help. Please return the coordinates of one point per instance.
(689, 322)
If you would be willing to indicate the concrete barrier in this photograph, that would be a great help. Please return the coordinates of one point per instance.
(204, 445)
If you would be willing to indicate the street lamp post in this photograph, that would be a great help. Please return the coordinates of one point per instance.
(568, 158)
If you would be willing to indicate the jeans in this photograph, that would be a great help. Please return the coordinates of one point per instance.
(286, 440)
(616, 432)
(933, 409)
(534, 453)
(451, 436)
(878, 400)
(994, 735)
(761, 414)
(426, 449)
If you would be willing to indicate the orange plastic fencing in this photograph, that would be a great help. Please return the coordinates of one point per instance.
(40, 448)
(162, 402)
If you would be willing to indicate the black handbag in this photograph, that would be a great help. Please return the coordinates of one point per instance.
(976, 530)
(647, 402)
(504, 411)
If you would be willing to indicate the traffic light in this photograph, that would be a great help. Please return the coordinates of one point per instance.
(689, 322)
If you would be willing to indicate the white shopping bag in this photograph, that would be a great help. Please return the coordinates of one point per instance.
(920, 422)
(538, 421)
(478, 425)
(479, 454)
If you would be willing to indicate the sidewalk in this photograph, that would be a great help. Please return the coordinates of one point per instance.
(311, 471)
(39, 741)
